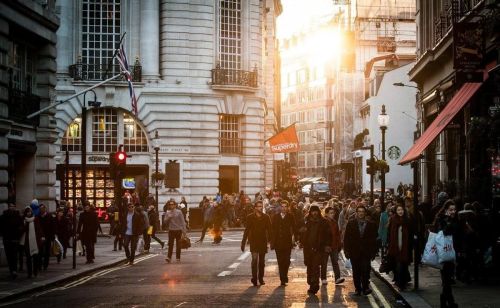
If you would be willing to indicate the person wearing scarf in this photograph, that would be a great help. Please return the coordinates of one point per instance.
(399, 251)
(32, 240)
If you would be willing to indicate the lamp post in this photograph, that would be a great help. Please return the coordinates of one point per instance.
(383, 122)
(156, 144)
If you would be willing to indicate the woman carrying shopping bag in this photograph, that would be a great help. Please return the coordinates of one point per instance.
(446, 221)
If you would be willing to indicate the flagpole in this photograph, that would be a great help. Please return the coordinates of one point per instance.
(34, 114)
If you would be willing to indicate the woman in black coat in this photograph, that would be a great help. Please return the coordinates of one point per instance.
(88, 225)
(400, 245)
(447, 221)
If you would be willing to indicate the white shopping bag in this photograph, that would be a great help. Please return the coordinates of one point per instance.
(430, 256)
(348, 264)
(445, 250)
(140, 245)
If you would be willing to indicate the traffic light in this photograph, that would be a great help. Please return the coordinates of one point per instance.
(112, 165)
(370, 166)
(120, 161)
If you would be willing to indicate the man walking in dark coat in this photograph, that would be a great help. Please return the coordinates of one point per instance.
(132, 225)
(11, 229)
(316, 240)
(258, 233)
(360, 246)
(47, 222)
(88, 225)
(283, 228)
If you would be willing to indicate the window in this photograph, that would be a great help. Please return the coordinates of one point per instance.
(229, 134)
(319, 159)
(71, 140)
(320, 135)
(302, 160)
(320, 115)
(104, 130)
(100, 35)
(230, 34)
(134, 139)
(302, 137)
(309, 137)
(310, 116)
(23, 67)
(293, 117)
(310, 163)
(302, 117)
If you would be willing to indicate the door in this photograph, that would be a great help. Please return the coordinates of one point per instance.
(229, 179)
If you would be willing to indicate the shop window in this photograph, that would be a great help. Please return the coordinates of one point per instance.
(72, 138)
(134, 139)
(104, 130)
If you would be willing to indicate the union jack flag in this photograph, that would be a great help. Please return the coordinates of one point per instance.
(122, 59)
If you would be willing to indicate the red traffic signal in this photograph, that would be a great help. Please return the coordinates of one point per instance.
(121, 158)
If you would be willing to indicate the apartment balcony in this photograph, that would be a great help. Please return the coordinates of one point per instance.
(229, 79)
(230, 146)
(22, 104)
(98, 72)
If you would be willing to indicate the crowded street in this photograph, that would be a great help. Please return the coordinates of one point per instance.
(207, 276)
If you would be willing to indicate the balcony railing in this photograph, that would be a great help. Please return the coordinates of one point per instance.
(230, 77)
(21, 104)
(91, 72)
(230, 146)
(453, 12)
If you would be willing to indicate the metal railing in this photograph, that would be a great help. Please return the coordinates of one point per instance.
(225, 77)
(230, 146)
(91, 72)
(21, 104)
(451, 13)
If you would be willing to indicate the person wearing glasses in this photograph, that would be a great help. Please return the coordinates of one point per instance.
(283, 233)
(258, 233)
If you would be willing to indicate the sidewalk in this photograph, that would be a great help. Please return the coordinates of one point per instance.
(466, 295)
(57, 273)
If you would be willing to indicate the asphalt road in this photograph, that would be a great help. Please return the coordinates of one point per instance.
(207, 276)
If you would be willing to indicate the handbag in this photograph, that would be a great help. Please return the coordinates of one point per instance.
(387, 265)
(185, 242)
(150, 230)
(445, 250)
(430, 255)
(140, 245)
(348, 264)
(55, 249)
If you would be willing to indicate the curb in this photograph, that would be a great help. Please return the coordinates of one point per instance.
(57, 280)
(410, 298)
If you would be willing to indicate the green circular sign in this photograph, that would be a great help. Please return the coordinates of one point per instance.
(393, 152)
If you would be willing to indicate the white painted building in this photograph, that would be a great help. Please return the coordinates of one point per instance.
(400, 106)
(202, 73)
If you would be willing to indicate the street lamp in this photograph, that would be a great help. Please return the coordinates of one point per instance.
(383, 122)
(156, 144)
(400, 84)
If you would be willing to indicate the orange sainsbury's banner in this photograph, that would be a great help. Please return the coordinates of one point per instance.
(285, 142)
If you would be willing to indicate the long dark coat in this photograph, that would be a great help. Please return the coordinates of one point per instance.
(258, 232)
(88, 226)
(357, 246)
(282, 231)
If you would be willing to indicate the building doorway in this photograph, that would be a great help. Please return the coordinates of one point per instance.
(229, 179)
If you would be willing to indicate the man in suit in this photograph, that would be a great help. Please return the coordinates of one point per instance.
(258, 233)
(283, 228)
(360, 246)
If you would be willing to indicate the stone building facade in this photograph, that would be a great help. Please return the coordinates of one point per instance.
(203, 73)
(27, 83)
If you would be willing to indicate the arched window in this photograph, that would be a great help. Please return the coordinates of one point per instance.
(134, 139)
(109, 127)
(71, 140)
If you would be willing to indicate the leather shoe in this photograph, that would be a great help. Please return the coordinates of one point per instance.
(262, 282)
(367, 292)
(254, 282)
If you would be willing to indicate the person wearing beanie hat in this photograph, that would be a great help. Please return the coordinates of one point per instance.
(316, 240)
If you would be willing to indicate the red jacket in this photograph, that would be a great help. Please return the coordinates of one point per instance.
(336, 241)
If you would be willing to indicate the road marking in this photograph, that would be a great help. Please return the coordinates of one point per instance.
(234, 265)
(244, 255)
(380, 296)
(181, 304)
(224, 273)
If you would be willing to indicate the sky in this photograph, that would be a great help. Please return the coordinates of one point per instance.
(297, 14)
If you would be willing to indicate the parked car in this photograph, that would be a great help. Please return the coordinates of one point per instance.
(306, 189)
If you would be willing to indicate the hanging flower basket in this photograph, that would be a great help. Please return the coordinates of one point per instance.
(381, 165)
(157, 179)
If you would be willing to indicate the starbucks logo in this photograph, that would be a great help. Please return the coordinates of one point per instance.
(394, 152)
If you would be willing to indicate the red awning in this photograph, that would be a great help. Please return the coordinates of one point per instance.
(443, 119)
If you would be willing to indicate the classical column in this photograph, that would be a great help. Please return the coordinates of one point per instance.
(65, 38)
(150, 39)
